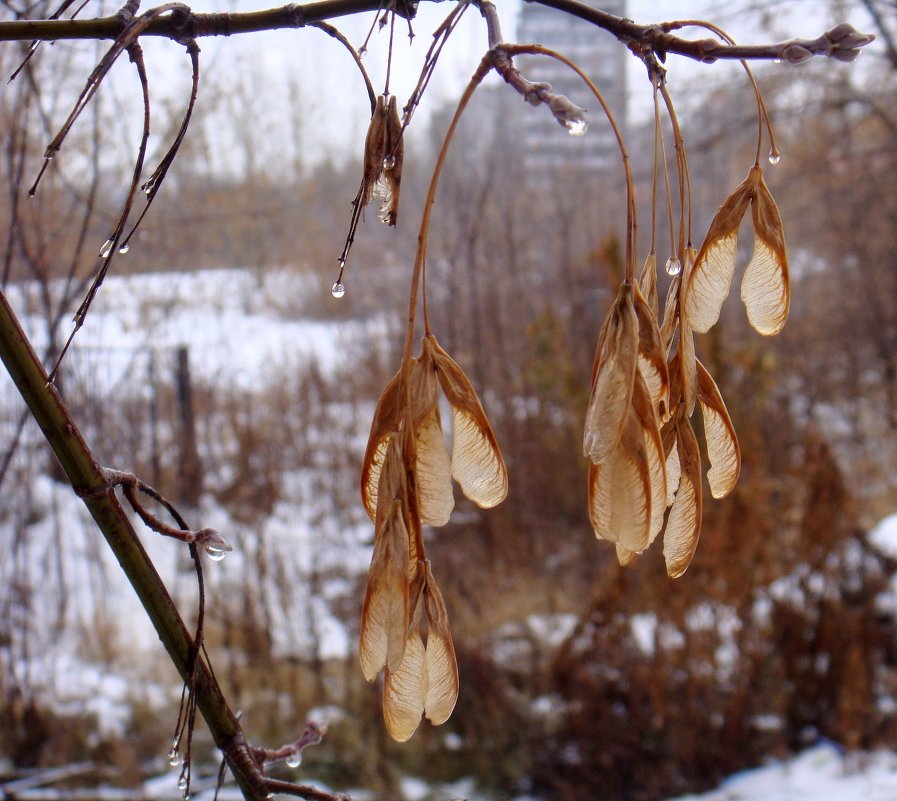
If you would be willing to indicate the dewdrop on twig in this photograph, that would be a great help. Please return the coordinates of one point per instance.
(568, 114)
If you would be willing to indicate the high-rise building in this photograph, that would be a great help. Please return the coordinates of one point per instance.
(547, 145)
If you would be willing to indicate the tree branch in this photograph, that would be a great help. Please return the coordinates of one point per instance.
(90, 482)
(842, 42)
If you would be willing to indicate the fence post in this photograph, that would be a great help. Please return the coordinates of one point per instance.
(189, 467)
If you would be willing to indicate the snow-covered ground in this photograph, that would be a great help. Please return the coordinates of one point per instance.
(242, 327)
(239, 325)
(823, 773)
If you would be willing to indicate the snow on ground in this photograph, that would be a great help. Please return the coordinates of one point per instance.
(237, 323)
(241, 327)
(884, 535)
(822, 773)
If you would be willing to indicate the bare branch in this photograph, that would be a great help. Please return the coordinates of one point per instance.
(842, 42)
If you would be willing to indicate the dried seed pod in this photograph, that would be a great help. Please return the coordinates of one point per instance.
(646, 413)
(405, 690)
(616, 359)
(384, 616)
(620, 491)
(442, 666)
(426, 682)
(652, 363)
(708, 285)
(385, 422)
(680, 539)
(383, 157)
(765, 288)
(647, 282)
(723, 451)
(433, 470)
(477, 463)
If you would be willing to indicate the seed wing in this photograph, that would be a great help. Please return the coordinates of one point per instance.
(386, 420)
(384, 616)
(652, 363)
(765, 288)
(620, 492)
(684, 521)
(711, 276)
(477, 463)
(442, 667)
(723, 451)
(614, 376)
(404, 691)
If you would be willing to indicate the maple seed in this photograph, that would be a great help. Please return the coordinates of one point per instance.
(765, 288)
(383, 155)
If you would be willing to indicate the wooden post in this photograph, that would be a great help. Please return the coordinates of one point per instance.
(189, 467)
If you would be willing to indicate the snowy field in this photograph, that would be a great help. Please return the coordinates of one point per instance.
(238, 325)
(822, 773)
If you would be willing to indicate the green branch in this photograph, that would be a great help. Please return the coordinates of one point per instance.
(86, 477)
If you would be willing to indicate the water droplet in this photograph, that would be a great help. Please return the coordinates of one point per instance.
(674, 266)
(33, 46)
(182, 783)
(777, 61)
(774, 157)
(577, 127)
(338, 289)
(389, 162)
(106, 248)
(294, 760)
(215, 553)
(148, 186)
(174, 758)
(362, 52)
(125, 247)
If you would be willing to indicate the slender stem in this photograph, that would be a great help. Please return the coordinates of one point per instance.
(682, 170)
(762, 112)
(421, 256)
(666, 180)
(631, 217)
(658, 143)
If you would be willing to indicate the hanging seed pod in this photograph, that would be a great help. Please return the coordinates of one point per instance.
(384, 152)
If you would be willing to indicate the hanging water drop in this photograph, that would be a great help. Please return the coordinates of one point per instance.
(577, 127)
(174, 758)
(294, 760)
(215, 553)
(674, 266)
(182, 783)
(125, 247)
(774, 157)
(33, 46)
(389, 162)
(106, 248)
(338, 289)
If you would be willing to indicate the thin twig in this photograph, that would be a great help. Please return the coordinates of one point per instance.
(841, 42)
